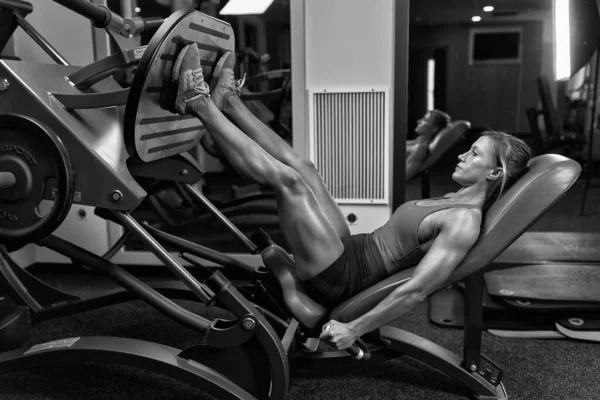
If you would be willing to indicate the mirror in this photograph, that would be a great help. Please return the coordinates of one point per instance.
(492, 63)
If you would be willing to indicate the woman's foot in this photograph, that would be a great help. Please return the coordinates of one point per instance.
(223, 84)
(187, 73)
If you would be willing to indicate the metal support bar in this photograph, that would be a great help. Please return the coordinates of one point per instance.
(163, 255)
(474, 285)
(93, 100)
(196, 195)
(40, 40)
(102, 68)
(589, 162)
(128, 281)
(110, 253)
(25, 289)
(199, 250)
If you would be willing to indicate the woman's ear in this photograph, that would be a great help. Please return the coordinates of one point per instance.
(496, 174)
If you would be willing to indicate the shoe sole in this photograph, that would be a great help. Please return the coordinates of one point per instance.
(178, 62)
(168, 94)
(216, 72)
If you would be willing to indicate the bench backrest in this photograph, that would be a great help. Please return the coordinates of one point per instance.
(548, 178)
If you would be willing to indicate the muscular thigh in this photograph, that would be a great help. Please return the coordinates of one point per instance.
(313, 179)
(310, 235)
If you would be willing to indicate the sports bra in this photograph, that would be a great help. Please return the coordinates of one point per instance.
(398, 240)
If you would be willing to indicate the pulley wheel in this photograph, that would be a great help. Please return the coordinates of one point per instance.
(34, 164)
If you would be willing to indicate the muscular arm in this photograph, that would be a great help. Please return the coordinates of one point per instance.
(456, 237)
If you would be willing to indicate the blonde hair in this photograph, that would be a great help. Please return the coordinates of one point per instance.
(512, 155)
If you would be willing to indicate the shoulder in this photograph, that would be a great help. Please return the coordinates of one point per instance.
(462, 224)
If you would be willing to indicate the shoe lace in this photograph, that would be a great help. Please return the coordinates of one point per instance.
(230, 82)
(199, 83)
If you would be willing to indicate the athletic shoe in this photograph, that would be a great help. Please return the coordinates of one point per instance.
(223, 83)
(187, 72)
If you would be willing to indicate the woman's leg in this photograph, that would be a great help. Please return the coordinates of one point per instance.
(311, 237)
(224, 93)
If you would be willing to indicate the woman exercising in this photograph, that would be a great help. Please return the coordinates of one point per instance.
(434, 235)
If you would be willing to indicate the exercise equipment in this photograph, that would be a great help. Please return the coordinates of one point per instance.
(553, 138)
(66, 99)
(548, 179)
(246, 357)
(531, 301)
(31, 156)
(443, 141)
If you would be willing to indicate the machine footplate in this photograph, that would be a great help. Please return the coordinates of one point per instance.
(151, 130)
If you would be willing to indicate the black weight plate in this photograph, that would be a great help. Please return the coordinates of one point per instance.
(39, 159)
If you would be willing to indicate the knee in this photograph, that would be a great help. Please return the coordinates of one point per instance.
(300, 163)
(291, 180)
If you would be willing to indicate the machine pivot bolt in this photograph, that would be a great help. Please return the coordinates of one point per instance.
(4, 85)
(248, 323)
(473, 367)
(183, 172)
(116, 196)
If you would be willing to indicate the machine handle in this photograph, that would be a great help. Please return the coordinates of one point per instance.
(7, 180)
(153, 23)
(100, 16)
(138, 25)
(359, 350)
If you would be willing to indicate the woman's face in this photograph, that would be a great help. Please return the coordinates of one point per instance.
(478, 164)
(425, 125)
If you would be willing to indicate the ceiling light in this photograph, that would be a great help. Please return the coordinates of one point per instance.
(488, 8)
(243, 7)
(476, 18)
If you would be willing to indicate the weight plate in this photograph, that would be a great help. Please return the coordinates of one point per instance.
(39, 160)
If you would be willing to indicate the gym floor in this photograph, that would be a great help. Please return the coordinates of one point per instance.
(533, 369)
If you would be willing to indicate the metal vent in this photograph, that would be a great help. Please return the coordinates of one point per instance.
(349, 143)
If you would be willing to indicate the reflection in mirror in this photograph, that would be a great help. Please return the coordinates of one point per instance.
(493, 64)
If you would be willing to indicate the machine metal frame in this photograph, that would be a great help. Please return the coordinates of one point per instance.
(262, 336)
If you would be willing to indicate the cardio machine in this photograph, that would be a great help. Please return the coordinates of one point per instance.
(88, 165)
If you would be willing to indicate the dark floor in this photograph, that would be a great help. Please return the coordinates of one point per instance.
(533, 369)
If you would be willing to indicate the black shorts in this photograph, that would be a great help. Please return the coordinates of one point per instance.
(359, 267)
